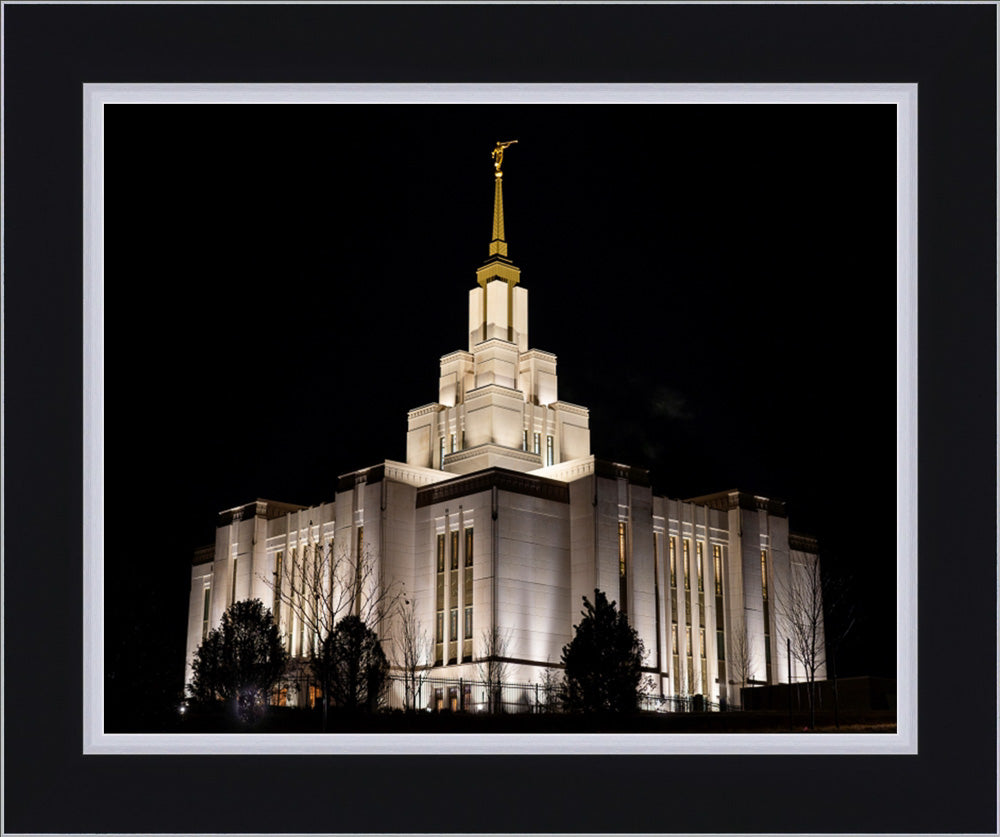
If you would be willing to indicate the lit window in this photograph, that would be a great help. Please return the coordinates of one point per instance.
(453, 624)
(621, 549)
(701, 558)
(701, 639)
(453, 443)
(538, 443)
(550, 456)
(440, 554)
(689, 643)
(468, 622)
(687, 564)
(205, 612)
(717, 562)
(468, 549)
(454, 549)
(763, 573)
(442, 453)
(673, 562)
(674, 639)
(439, 633)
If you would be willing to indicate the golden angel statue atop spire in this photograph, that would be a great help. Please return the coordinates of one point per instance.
(498, 155)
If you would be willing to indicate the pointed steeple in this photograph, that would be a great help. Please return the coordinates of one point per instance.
(498, 266)
(498, 246)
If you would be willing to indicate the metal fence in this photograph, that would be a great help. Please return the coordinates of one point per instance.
(461, 695)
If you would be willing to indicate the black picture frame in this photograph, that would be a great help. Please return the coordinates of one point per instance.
(949, 51)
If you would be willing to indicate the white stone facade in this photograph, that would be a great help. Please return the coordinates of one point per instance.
(500, 473)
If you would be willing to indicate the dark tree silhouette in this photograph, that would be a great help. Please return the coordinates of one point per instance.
(352, 661)
(603, 663)
(240, 661)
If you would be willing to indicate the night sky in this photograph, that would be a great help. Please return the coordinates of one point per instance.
(718, 283)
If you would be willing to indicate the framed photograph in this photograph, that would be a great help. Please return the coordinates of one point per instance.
(277, 255)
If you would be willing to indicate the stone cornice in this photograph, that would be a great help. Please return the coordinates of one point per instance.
(458, 354)
(803, 543)
(425, 410)
(499, 478)
(541, 354)
(569, 471)
(573, 409)
(413, 474)
(736, 499)
(494, 389)
(479, 450)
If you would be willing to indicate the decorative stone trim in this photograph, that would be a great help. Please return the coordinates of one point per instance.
(478, 450)
(499, 478)
(427, 409)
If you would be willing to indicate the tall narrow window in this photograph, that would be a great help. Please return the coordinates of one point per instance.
(439, 604)
(550, 456)
(525, 445)
(538, 443)
(295, 571)
(701, 562)
(232, 589)
(656, 596)
(767, 614)
(690, 662)
(720, 635)
(453, 443)
(675, 644)
(206, 610)
(277, 588)
(622, 568)
(673, 562)
(453, 598)
(467, 597)
(442, 453)
(687, 564)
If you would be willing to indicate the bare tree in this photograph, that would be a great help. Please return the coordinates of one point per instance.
(740, 659)
(413, 650)
(493, 668)
(552, 686)
(316, 586)
(800, 609)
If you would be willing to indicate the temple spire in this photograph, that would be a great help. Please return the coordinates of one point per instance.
(498, 244)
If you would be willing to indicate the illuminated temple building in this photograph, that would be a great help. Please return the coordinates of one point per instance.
(501, 520)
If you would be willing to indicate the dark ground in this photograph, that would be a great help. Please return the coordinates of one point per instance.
(307, 721)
